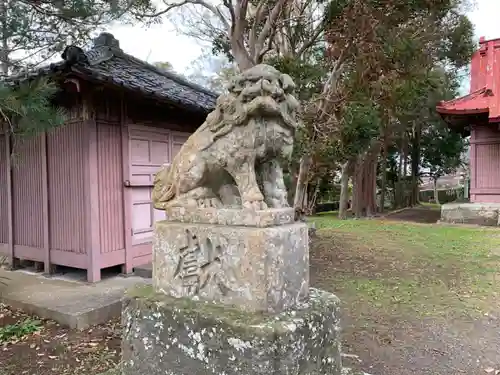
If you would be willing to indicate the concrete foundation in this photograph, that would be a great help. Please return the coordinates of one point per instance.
(74, 304)
(486, 214)
(178, 336)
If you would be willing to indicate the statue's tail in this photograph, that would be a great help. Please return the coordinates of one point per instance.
(163, 190)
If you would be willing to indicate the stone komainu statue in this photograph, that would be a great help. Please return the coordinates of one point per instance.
(234, 159)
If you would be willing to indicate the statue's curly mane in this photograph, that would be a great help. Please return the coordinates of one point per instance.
(228, 112)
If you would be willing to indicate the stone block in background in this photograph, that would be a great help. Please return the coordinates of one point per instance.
(179, 336)
(254, 268)
(484, 214)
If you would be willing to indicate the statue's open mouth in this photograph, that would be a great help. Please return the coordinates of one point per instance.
(268, 107)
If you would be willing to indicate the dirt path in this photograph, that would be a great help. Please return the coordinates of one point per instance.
(429, 215)
(430, 347)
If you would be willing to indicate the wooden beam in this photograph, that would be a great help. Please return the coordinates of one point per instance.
(45, 205)
(10, 202)
(92, 195)
(127, 192)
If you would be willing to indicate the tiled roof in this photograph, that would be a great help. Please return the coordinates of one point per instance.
(106, 62)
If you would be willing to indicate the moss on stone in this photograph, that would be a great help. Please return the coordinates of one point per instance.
(225, 315)
(141, 291)
(221, 339)
(231, 318)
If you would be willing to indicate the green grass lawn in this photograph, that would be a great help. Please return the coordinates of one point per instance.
(407, 269)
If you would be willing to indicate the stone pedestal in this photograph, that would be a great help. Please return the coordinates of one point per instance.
(230, 295)
(179, 336)
(258, 262)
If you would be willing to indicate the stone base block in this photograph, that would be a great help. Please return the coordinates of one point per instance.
(231, 216)
(179, 336)
(254, 268)
(486, 214)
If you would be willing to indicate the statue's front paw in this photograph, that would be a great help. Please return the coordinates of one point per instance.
(214, 202)
(255, 205)
(209, 203)
(254, 200)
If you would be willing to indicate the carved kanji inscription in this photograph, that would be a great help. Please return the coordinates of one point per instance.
(200, 266)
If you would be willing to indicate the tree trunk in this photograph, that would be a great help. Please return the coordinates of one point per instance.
(240, 54)
(364, 182)
(383, 168)
(354, 194)
(344, 188)
(405, 165)
(300, 198)
(399, 191)
(415, 162)
(311, 204)
(371, 180)
(357, 188)
(436, 193)
(293, 185)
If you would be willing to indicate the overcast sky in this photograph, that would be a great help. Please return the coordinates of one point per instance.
(485, 18)
(161, 43)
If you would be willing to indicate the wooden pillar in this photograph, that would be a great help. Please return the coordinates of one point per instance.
(472, 164)
(10, 201)
(92, 197)
(45, 206)
(127, 192)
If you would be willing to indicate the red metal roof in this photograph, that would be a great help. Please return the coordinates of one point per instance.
(475, 102)
(484, 96)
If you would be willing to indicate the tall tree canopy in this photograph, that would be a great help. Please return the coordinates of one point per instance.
(361, 66)
(390, 51)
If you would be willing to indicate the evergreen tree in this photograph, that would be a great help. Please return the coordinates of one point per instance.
(27, 108)
(34, 31)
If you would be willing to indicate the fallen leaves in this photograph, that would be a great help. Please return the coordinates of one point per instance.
(57, 350)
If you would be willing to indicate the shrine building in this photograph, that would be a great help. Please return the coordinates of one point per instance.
(477, 115)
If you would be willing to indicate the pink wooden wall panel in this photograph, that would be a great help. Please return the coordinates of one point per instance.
(4, 234)
(485, 154)
(28, 220)
(66, 153)
(177, 142)
(487, 157)
(111, 213)
(150, 148)
(485, 132)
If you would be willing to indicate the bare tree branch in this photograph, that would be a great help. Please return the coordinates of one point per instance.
(202, 3)
(269, 25)
(258, 17)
